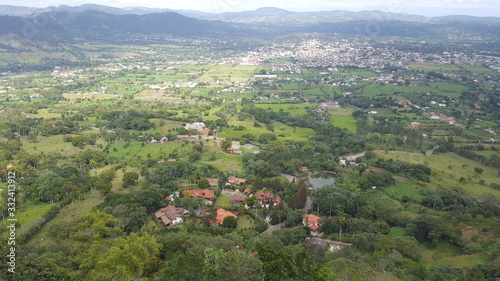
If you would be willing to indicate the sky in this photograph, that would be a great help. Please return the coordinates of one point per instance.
(428, 7)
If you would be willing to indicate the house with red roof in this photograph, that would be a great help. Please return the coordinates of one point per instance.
(222, 214)
(204, 193)
(266, 197)
(312, 221)
(247, 191)
(238, 199)
(235, 180)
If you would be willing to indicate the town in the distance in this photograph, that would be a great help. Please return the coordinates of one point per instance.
(263, 145)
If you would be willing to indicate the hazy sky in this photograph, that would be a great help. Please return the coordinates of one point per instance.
(490, 7)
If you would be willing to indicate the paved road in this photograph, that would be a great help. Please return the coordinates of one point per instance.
(309, 204)
(275, 227)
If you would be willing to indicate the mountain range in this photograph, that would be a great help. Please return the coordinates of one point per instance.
(96, 22)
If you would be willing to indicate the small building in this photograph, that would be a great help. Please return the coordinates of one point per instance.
(304, 169)
(312, 221)
(204, 193)
(247, 191)
(238, 199)
(195, 126)
(171, 215)
(222, 214)
(213, 182)
(235, 180)
(266, 197)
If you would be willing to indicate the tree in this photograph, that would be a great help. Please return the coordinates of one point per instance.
(129, 179)
(95, 226)
(230, 222)
(251, 201)
(478, 170)
(203, 183)
(245, 266)
(122, 258)
(225, 144)
(188, 266)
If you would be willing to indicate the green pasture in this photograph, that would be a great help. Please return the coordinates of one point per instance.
(289, 86)
(223, 161)
(448, 168)
(479, 69)
(272, 101)
(427, 67)
(27, 212)
(245, 222)
(400, 190)
(344, 111)
(92, 97)
(487, 153)
(485, 124)
(282, 131)
(226, 74)
(313, 92)
(448, 87)
(347, 122)
(155, 150)
(294, 109)
(67, 215)
(363, 73)
(223, 201)
(372, 90)
(480, 132)
(397, 231)
(45, 114)
(55, 144)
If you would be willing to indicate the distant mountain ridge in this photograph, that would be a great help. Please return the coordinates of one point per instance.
(94, 25)
(261, 15)
(118, 25)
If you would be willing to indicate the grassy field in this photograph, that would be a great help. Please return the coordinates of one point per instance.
(479, 69)
(363, 73)
(27, 213)
(444, 254)
(156, 150)
(435, 67)
(347, 122)
(245, 222)
(67, 214)
(397, 231)
(45, 114)
(92, 97)
(223, 201)
(226, 74)
(294, 109)
(448, 168)
(403, 189)
(223, 161)
(282, 131)
(289, 86)
(54, 144)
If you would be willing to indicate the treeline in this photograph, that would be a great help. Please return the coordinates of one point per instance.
(415, 171)
(468, 152)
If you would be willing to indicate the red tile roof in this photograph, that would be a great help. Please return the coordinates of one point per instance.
(312, 221)
(222, 214)
(205, 193)
(267, 197)
(238, 198)
(235, 180)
